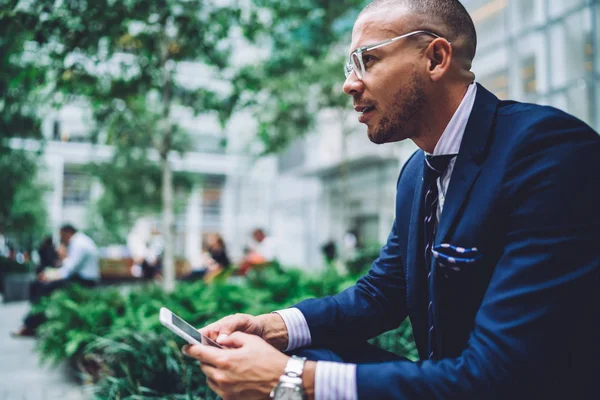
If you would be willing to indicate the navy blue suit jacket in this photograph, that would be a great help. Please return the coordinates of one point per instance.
(522, 320)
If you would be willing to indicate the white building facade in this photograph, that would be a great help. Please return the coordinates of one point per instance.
(335, 180)
(542, 51)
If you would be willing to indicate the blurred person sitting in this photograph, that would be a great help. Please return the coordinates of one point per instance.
(146, 247)
(48, 255)
(79, 266)
(262, 253)
(214, 260)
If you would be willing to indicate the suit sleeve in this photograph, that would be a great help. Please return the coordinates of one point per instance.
(534, 310)
(377, 303)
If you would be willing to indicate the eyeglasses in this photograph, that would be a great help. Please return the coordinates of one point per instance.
(356, 63)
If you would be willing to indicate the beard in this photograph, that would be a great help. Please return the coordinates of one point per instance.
(398, 123)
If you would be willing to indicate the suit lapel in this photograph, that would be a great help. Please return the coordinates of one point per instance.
(470, 157)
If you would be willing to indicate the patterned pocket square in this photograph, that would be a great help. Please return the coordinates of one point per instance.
(453, 258)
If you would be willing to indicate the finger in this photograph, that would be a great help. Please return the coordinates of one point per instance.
(227, 325)
(186, 351)
(211, 330)
(236, 339)
(209, 371)
(206, 354)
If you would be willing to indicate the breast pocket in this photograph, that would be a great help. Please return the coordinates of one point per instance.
(453, 261)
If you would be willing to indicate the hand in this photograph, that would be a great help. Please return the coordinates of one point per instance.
(248, 369)
(49, 275)
(269, 327)
(42, 277)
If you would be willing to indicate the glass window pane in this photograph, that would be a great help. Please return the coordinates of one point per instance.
(596, 107)
(497, 83)
(491, 70)
(560, 7)
(531, 77)
(571, 48)
(525, 14)
(575, 100)
(76, 188)
(489, 19)
(597, 44)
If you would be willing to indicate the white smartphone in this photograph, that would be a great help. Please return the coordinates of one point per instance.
(184, 330)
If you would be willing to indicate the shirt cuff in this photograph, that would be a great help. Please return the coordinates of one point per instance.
(335, 381)
(297, 327)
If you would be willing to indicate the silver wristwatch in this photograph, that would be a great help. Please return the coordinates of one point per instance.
(290, 383)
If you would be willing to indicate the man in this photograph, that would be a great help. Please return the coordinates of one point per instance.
(262, 253)
(80, 266)
(492, 253)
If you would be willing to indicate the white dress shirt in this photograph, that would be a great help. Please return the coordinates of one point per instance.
(82, 258)
(337, 381)
(267, 248)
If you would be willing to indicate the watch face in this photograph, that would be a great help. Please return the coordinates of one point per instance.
(287, 393)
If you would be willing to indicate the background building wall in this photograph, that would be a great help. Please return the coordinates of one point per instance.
(542, 51)
(335, 179)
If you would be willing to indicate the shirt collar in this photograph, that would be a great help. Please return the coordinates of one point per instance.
(451, 138)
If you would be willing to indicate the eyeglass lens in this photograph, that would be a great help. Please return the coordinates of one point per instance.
(356, 65)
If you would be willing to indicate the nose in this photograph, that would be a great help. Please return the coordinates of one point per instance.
(353, 86)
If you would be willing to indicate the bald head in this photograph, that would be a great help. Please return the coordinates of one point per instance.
(447, 18)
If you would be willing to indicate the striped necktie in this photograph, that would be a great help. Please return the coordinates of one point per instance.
(434, 168)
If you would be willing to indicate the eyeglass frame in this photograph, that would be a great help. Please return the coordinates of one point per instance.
(349, 66)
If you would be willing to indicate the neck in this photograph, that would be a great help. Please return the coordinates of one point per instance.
(444, 106)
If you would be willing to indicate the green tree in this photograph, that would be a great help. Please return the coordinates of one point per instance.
(122, 58)
(131, 189)
(22, 211)
(303, 74)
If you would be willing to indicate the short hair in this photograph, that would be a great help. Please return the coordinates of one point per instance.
(449, 13)
(68, 228)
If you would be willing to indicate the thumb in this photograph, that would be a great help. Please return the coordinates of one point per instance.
(235, 340)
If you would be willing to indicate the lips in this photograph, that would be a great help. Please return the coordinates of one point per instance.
(363, 108)
(365, 111)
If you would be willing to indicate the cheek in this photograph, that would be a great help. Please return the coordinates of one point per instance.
(389, 86)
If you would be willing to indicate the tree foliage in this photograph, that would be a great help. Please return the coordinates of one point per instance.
(123, 59)
(20, 77)
(22, 212)
(303, 73)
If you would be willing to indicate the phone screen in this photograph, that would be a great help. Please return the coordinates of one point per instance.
(187, 328)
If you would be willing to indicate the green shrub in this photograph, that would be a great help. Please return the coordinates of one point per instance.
(113, 336)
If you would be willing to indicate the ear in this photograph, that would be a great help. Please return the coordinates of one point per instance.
(439, 55)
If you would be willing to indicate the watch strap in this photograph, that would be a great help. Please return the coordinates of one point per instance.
(295, 366)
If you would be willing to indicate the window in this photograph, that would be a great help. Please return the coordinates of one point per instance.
(76, 187)
(56, 130)
(597, 43)
(596, 107)
(576, 100)
(497, 83)
(212, 192)
(560, 7)
(525, 14)
(531, 71)
(528, 75)
(293, 156)
(571, 49)
(489, 19)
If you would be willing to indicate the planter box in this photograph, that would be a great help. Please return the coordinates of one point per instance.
(16, 287)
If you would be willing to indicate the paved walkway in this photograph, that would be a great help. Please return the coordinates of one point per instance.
(21, 376)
